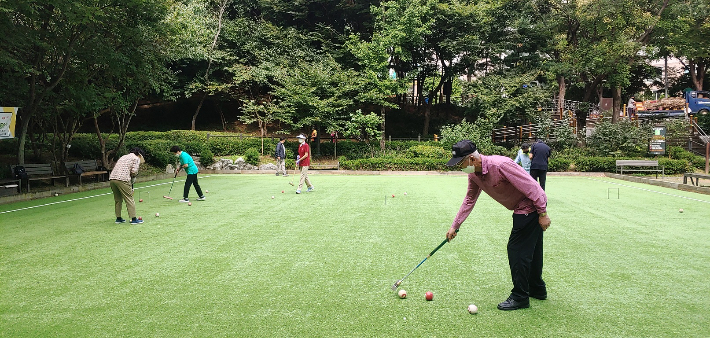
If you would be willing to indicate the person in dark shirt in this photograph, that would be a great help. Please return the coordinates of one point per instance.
(539, 154)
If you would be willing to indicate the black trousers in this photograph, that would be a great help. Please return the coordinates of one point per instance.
(539, 174)
(525, 257)
(192, 180)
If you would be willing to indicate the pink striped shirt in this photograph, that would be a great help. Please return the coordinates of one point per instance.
(507, 183)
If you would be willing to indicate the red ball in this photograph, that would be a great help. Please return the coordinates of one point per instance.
(140, 218)
(392, 195)
(140, 200)
(429, 295)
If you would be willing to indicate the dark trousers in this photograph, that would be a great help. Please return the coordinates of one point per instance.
(525, 257)
(539, 174)
(192, 180)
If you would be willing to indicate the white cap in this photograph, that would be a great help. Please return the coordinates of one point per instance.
(301, 136)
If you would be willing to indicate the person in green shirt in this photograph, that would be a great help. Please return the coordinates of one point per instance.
(190, 167)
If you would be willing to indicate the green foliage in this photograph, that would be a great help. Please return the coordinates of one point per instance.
(363, 126)
(479, 132)
(559, 164)
(678, 153)
(424, 151)
(251, 156)
(158, 152)
(395, 164)
(206, 157)
(623, 136)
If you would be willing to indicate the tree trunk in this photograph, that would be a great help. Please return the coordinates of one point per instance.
(197, 111)
(698, 68)
(561, 93)
(222, 7)
(617, 104)
(382, 133)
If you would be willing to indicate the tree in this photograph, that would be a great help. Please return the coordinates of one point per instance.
(51, 41)
(683, 33)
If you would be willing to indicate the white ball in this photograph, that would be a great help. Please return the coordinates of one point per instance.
(402, 294)
(272, 197)
(472, 309)
(680, 211)
(157, 214)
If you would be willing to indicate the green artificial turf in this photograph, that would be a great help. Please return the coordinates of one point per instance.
(321, 264)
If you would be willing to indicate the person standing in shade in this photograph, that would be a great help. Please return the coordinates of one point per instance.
(508, 184)
(190, 167)
(280, 155)
(539, 156)
(523, 158)
(304, 160)
(120, 179)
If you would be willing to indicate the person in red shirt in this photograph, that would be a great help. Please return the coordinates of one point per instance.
(304, 160)
(511, 186)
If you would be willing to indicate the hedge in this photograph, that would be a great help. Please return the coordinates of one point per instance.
(396, 164)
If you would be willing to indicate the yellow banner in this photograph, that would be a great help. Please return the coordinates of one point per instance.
(8, 116)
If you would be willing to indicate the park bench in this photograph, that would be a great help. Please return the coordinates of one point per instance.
(41, 171)
(332, 166)
(694, 178)
(651, 166)
(90, 168)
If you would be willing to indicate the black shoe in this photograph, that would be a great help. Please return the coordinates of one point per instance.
(120, 220)
(512, 304)
(540, 296)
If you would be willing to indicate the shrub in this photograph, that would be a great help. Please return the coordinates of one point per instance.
(206, 157)
(390, 163)
(673, 167)
(251, 156)
(425, 151)
(623, 136)
(157, 152)
(559, 164)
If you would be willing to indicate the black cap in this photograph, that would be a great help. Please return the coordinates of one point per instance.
(460, 150)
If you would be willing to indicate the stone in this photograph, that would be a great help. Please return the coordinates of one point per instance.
(268, 166)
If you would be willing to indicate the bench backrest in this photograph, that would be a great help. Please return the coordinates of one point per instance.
(88, 165)
(36, 169)
(636, 163)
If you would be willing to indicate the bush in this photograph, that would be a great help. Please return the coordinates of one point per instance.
(251, 156)
(624, 137)
(559, 164)
(390, 163)
(206, 158)
(673, 167)
(157, 152)
(424, 151)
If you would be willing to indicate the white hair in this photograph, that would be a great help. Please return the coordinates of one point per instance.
(476, 155)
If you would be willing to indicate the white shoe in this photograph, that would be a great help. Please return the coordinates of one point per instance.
(184, 201)
(202, 198)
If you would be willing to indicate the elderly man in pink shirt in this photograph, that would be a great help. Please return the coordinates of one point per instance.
(510, 185)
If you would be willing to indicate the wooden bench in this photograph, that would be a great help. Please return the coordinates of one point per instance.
(694, 178)
(652, 166)
(41, 171)
(334, 166)
(91, 168)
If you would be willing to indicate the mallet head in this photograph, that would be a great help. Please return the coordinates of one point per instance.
(396, 285)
